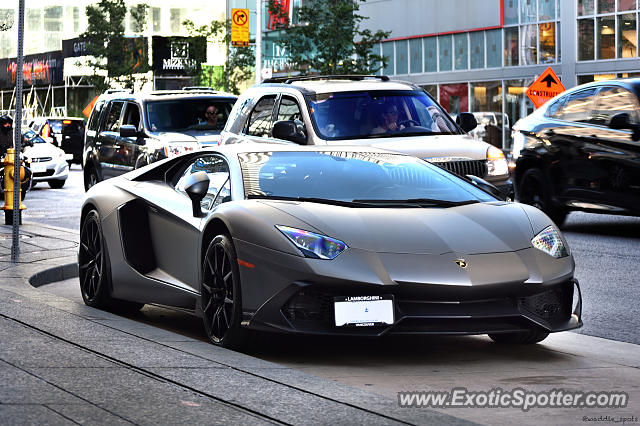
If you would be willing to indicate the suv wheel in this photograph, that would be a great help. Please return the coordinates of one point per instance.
(536, 191)
(90, 177)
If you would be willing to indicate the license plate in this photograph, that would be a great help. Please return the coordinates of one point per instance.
(363, 311)
(38, 168)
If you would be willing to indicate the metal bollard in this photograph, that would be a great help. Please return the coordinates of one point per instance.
(8, 162)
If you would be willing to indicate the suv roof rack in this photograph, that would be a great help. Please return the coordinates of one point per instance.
(109, 91)
(184, 92)
(354, 77)
(201, 88)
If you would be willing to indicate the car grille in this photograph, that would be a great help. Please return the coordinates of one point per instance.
(41, 159)
(464, 167)
(551, 305)
(49, 172)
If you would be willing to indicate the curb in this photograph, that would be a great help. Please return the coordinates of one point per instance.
(51, 275)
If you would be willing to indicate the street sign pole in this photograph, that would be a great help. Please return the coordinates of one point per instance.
(258, 41)
(17, 138)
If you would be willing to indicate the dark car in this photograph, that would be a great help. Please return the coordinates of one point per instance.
(365, 111)
(324, 240)
(64, 132)
(130, 130)
(581, 151)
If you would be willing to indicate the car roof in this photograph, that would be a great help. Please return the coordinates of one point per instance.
(168, 94)
(249, 147)
(329, 84)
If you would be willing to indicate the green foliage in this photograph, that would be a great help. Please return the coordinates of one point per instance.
(329, 39)
(121, 57)
(240, 60)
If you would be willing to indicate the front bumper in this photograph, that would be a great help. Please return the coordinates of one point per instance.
(50, 170)
(309, 309)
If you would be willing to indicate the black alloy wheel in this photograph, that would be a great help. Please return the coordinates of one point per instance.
(523, 338)
(90, 177)
(92, 262)
(535, 191)
(220, 294)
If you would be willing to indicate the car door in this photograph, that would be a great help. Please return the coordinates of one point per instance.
(173, 228)
(288, 109)
(615, 155)
(107, 141)
(260, 123)
(129, 148)
(570, 146)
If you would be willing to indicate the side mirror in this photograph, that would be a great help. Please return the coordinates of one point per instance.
(486, 186)
(466, 121)
(288, 130)
(196, 187)
(128, 131)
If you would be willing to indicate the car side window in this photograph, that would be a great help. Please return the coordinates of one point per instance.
(112, 123)
(219, 183)
(578, 106)
(261, 118)
(95, 116)
(555, 109)
(612, 101)
(132, 115)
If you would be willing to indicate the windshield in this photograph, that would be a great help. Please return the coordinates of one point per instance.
(188, 114)
(374, 114)
(31, 136)
(352, 176)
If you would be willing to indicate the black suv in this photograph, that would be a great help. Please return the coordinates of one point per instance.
(130, 130)
(581, 151)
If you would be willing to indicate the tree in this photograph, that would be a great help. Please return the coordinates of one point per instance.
(121, 57)
(328, 38)
(240, 60)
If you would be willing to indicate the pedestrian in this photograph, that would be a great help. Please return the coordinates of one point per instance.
(6, 134)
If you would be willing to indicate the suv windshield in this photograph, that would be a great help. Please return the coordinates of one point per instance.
(188, 114)
(365, 177)
(374, 114)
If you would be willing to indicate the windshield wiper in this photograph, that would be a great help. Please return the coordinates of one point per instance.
(419, 201)
(353, 203)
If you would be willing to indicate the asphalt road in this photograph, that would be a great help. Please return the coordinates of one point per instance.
(606, 250)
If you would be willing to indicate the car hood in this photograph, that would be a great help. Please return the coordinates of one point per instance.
(204, 137)
(42, 150)
(428, 147)
(470, 229)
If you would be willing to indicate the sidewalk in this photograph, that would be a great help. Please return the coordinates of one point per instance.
(64, 363)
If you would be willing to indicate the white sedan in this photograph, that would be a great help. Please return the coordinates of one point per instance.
(48, 162)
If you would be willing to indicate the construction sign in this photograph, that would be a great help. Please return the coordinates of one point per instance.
(239, 27)
(544, 88)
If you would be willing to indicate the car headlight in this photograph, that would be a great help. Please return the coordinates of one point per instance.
(549, 241)
(173, 150)
(313, 245)
(496, 163)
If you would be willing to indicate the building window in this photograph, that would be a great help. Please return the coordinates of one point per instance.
(627, 36)
(402, 58)
(486, 102)
(156, 19)
(547, 36)
(176, 18)
(454, 97)
(430, 54)
(431, 89)
(585, 39)
(529, 44)
(510, 12)
(606, 6)
(606, 40)
(53, 18)
(585, 7)
(52, 41)
(476, 47)
(387, 52)
(527, 11)
(626, 5)
(511, 46)
(462, 51)
(494, 48)
(445, 55)
(135, 26)
(415, 50)
(33, 20)
(546, 10)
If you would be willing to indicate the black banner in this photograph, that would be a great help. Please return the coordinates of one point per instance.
(39, 69)
(178, 56)
(75, 47)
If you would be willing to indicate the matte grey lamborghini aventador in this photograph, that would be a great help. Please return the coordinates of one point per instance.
(334, 240)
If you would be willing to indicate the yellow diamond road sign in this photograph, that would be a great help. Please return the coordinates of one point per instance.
(239, 27)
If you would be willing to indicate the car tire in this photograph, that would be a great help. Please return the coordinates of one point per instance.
(93, 263)
(90, 177)
(534, 189)
(523, 338)
(57, 184)
(220, 295)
